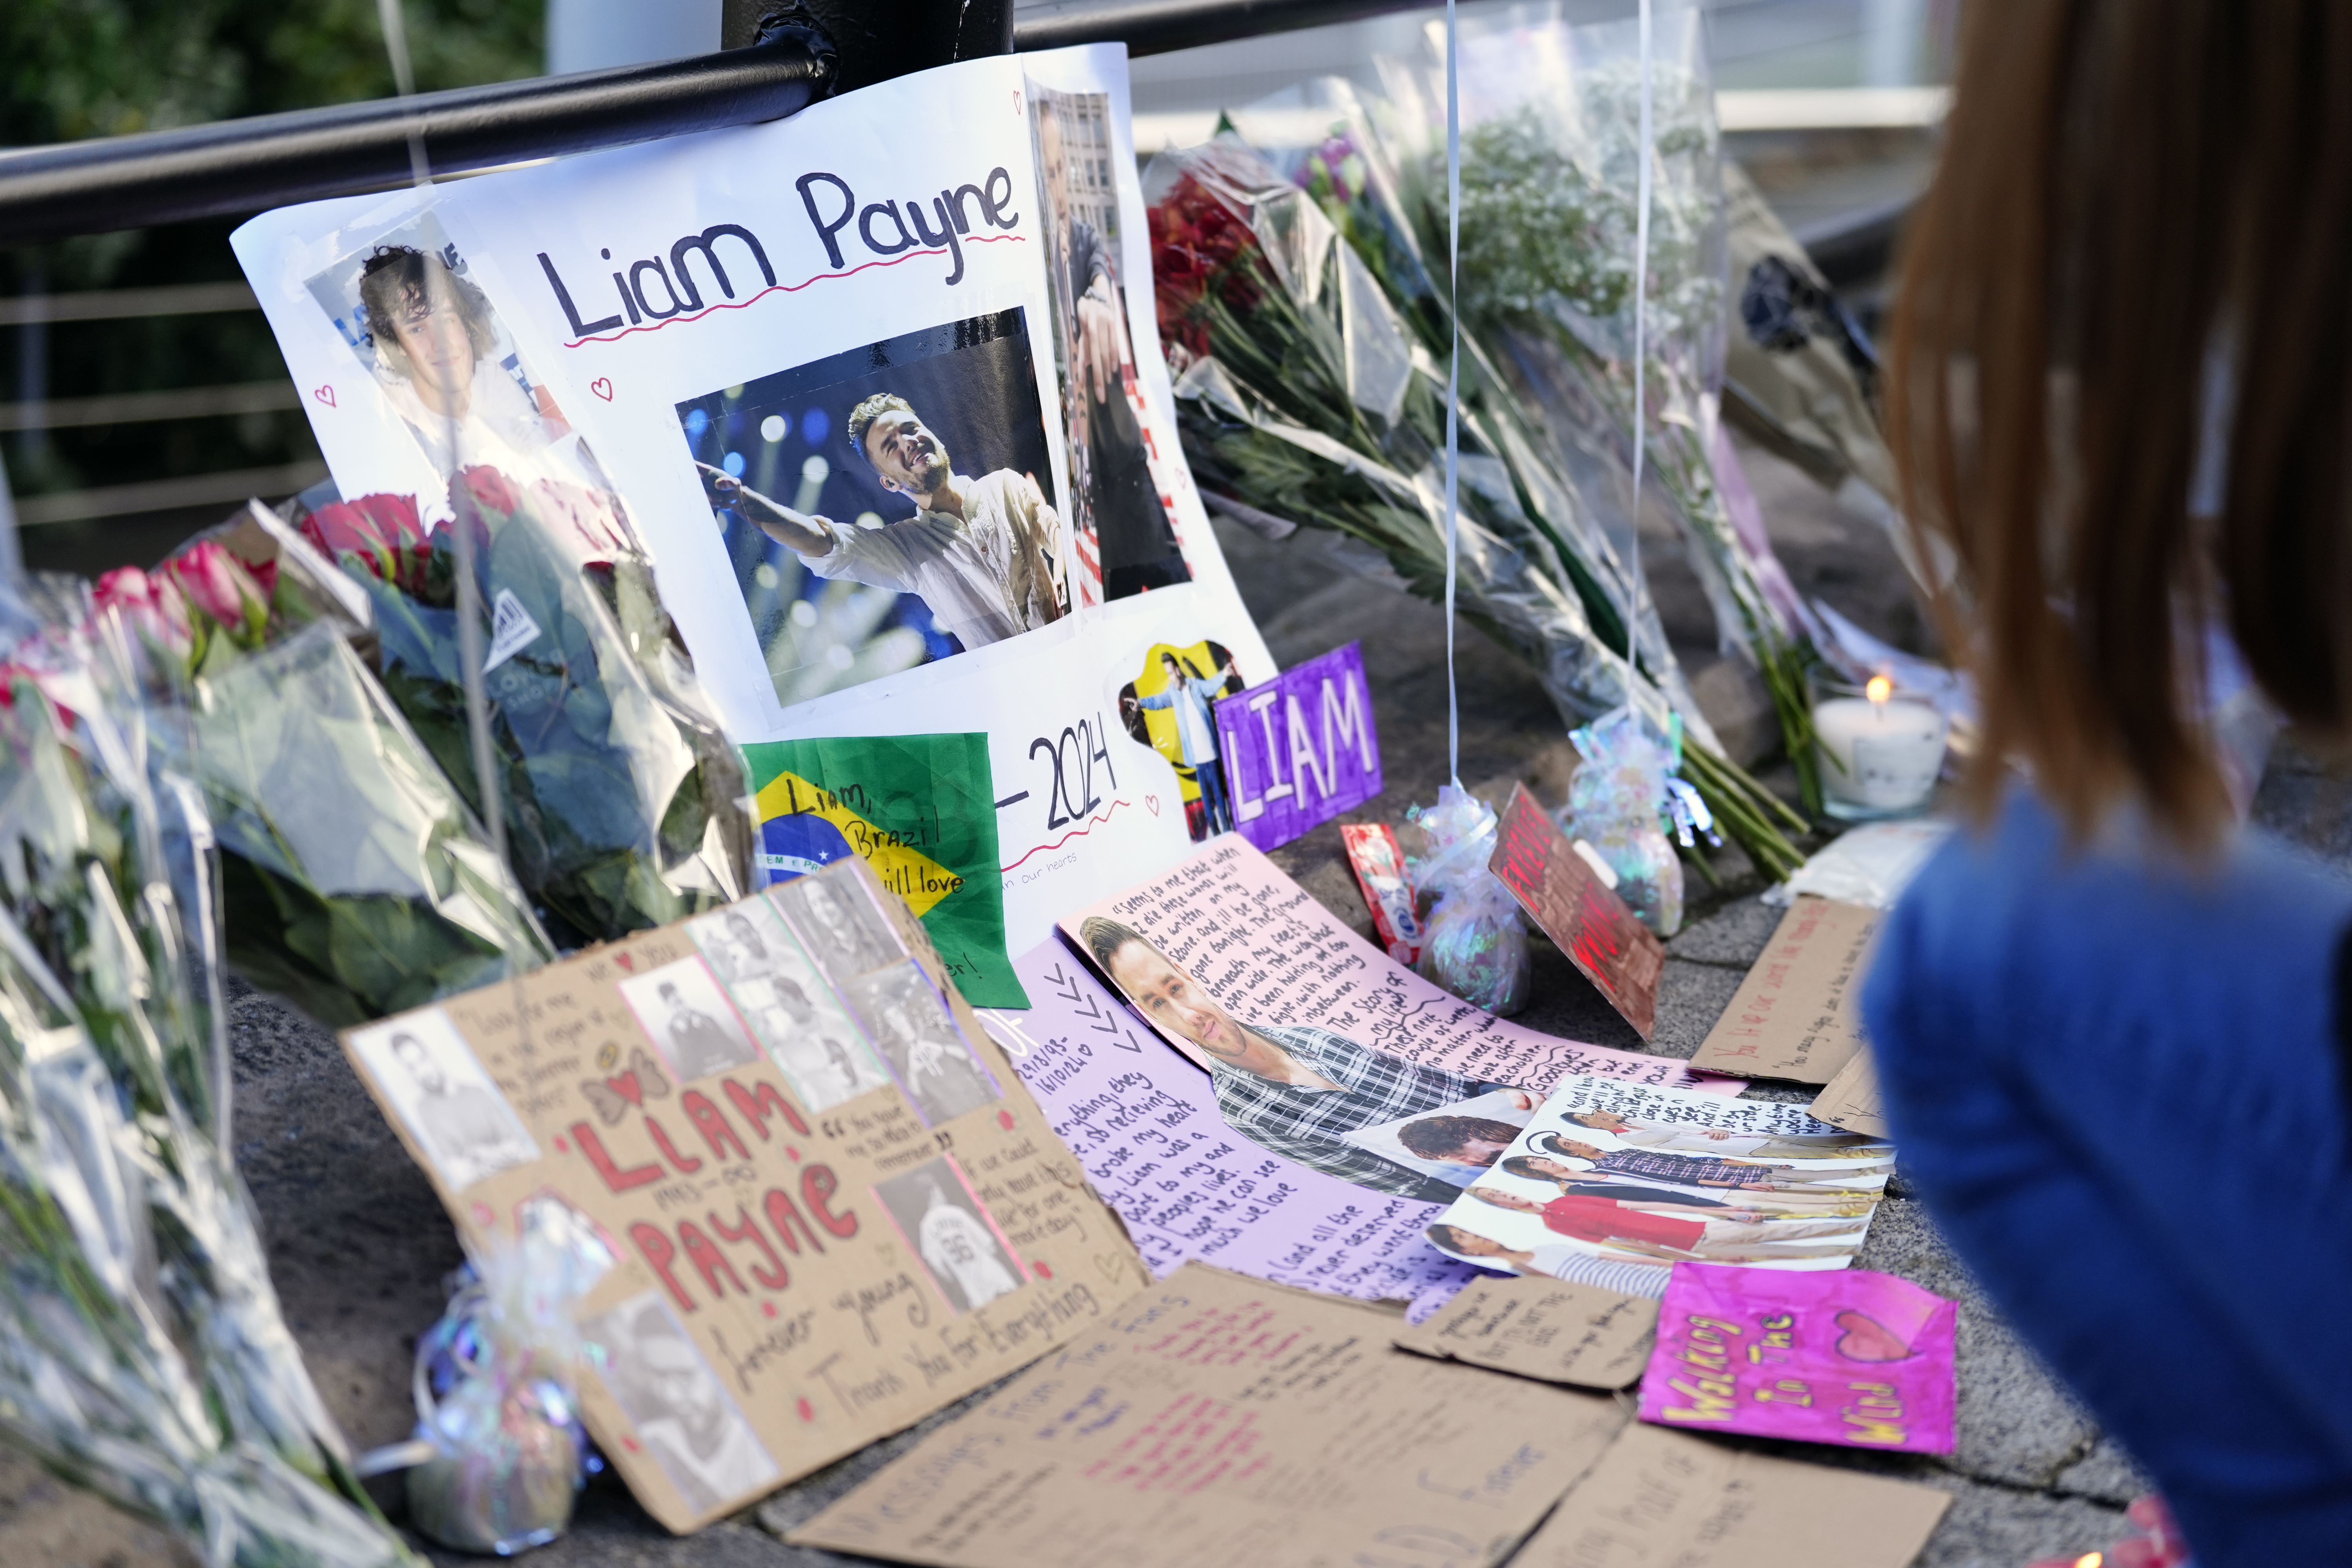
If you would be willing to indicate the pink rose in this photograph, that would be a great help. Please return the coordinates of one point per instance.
(216, 582)
(152, 606)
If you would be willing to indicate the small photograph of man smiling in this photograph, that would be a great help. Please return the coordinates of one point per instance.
(888, 506)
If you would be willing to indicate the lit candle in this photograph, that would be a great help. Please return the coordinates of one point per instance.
(1880, 751)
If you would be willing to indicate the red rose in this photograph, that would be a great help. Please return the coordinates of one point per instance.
(380, 530)
(490, 492)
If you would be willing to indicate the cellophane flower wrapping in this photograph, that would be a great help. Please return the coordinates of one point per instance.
(496, 1400)
(1477, 942)
(1551, 154)
(621, 799)
(354, 881)
(1311, 386)
(1309, 390)
(143, 1352)
(1616, 802)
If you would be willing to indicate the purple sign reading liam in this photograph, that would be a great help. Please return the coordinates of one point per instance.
(1300, 749)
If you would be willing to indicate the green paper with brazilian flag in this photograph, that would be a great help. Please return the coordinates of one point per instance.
(920, 810)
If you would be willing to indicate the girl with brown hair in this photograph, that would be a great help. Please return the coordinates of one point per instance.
(2109, 1022)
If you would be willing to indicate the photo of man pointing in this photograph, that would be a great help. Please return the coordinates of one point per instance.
(984, 554)
(889, 505)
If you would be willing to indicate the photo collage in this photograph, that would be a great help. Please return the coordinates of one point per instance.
(1595, 1197)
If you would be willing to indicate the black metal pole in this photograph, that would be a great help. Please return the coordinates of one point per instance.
(878, 40)
(814, 47)
(1158, 26)
(245, 166)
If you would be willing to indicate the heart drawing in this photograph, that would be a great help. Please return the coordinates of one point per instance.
(1152, 803)
(602, 387)
(1867, 1339)
(325, 395)
(627, 962)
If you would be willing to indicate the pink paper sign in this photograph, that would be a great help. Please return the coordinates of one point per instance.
(1849, 1357)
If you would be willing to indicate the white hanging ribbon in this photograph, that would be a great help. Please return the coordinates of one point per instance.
(1644, 151)
(1453, 381)
(471, 652)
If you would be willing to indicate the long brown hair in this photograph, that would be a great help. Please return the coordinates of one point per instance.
(2137, 251)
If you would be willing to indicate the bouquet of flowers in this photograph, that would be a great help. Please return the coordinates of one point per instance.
(354, 881)
(621, 799)
(1551, 156)
(142, 1349)
(1311, 386)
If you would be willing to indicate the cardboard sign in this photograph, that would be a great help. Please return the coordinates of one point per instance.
(817, 1202)
(1300, 749)
(1854, 1358)
(1562, 893)
(919, 810)
(1220, 1420)
(1795, 1015)
(1851, 1099)
(1660, 1497)
(1543, 1329)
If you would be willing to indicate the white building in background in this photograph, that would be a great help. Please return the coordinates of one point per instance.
(592, 34)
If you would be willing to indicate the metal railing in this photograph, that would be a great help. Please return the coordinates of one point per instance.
(245, 166)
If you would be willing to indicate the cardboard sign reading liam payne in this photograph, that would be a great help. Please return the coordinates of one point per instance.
(1563, 894)
(879, 388)
(818, 1203)
(1300, 750)
(1226, 953)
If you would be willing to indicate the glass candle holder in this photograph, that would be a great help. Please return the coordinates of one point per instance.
(1880, 749)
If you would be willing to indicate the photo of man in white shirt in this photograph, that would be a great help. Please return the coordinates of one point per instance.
(984, 554)
(937, 1211)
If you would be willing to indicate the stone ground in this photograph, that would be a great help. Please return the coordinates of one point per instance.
(359, 1245)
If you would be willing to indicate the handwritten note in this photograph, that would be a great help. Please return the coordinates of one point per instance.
(1851, 1099)
(1268, 954)
(1218, 1419)
(1794, 1015)
(1659, 1497)
(1545, 1328)
(1854, 1358)
(777, 1285)
(1143, 1121)
(1562, 893)
(917, 809)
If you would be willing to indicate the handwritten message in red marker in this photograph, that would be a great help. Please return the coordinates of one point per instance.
(1563, 894)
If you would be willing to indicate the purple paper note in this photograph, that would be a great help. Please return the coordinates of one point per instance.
(1143, 1123)
(1850, 1357)
(1300, 749)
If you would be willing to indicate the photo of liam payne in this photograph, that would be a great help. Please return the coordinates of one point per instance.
(983, 553)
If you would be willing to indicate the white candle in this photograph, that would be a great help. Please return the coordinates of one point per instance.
(1879, 756)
